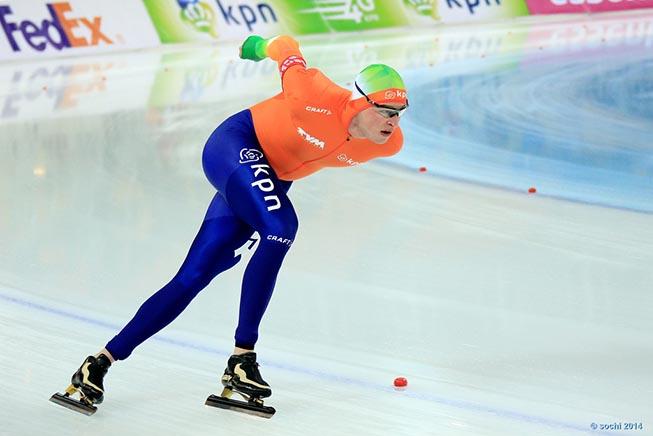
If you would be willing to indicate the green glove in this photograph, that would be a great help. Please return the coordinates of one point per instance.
(254, 48)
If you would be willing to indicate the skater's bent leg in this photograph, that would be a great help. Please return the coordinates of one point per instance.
(236, 165)
(258, 285)
(272, 215)
(211, 253)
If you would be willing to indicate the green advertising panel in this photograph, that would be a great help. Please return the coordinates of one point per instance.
(193, 20)
(315, 16)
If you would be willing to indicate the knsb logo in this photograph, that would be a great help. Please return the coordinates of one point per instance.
(397, 93)
(342, 157)
(248, 155)
(66, 29)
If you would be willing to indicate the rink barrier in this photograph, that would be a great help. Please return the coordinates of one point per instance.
(202, 20)
(42, 28)
(82, 86)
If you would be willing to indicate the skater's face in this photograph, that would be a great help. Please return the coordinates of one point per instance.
(376, 124)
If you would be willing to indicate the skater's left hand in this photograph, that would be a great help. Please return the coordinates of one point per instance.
(253, 48)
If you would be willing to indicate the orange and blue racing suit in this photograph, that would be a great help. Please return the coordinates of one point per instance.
(251, 159)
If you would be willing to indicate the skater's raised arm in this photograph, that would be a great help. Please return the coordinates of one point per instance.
(283, 49)
(298, 82)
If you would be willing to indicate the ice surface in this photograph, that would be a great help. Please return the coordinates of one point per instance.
(509, 313)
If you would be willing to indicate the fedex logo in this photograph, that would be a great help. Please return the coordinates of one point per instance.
(58, 31)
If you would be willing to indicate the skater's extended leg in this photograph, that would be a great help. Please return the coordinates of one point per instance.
(235, 164)
(211, 253)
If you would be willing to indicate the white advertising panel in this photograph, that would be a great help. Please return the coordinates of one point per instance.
(38, 29)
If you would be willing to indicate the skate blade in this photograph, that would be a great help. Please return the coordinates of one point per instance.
(240, 406)
(69, 403)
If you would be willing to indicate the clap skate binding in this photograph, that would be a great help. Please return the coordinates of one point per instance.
(87, 382)
(242, 377)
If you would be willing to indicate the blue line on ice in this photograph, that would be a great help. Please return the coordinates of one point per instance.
(459, 404)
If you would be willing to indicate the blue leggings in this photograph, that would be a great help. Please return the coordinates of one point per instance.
(250, 199)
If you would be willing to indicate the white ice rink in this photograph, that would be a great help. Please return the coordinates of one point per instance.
(508, 313)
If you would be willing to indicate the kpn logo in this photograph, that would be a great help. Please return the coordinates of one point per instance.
(62, 29)
(198, 15)
(202, 15)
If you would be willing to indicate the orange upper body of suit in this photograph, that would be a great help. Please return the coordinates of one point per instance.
(306, 126)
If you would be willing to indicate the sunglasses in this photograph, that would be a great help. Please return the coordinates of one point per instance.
(384, 110)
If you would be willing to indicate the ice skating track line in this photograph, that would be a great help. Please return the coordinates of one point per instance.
(458, 404)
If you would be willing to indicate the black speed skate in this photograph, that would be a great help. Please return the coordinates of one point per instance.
(243, 377)
(87, 381)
